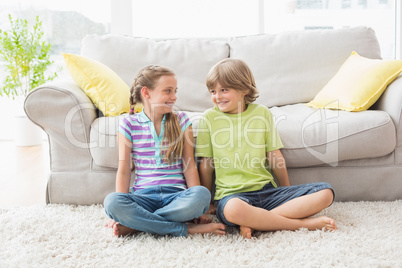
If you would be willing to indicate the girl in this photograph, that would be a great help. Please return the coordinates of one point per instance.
(241, 139)
(166, 192)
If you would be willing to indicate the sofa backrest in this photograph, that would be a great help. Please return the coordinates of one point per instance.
(190, 59)
(289, 67)
(292, 67)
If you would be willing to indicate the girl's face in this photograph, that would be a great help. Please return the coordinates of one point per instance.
(228, 100)
(163, 96)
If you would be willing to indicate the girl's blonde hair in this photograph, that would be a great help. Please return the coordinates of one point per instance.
(233, 73)
(148, 77)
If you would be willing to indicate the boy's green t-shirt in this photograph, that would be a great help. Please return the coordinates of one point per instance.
(238, 144)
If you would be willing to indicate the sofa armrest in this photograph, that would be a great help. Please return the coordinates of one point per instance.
(65, 113)
(391, 102)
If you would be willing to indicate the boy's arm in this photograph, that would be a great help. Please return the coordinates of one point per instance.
(189, 168)
(278, 166)
(123, 176)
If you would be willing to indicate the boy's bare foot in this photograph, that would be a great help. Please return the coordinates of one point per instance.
(212, 209)
(121, 230)
(321, 222)
(246, 232)
(214, 228)
(203, 219)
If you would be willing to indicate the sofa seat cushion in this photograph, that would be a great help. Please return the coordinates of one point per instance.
(103, 144)
(310, 136)
(320, 136)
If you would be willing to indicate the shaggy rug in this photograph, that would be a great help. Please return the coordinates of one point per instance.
(369, 235)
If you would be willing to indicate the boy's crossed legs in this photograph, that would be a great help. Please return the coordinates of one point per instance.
(283, 208)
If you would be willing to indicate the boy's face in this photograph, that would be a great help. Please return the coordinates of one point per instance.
(228, 100)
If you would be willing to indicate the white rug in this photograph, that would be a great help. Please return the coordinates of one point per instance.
(369, 235)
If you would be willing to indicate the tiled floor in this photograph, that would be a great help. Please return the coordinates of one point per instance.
(23, 174)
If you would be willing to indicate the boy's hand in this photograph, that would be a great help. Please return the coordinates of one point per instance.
(203, 219)
(212, 209)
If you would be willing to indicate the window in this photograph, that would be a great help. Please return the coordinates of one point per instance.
(65, 23)
(334, 14)
(196, 18)
(225, 18)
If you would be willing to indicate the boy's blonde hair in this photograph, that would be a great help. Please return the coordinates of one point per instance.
(148, 77)
(235, 74)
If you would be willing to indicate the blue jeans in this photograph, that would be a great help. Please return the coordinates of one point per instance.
(159, 209)
(270, 197)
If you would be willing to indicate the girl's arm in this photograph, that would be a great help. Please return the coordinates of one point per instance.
(278, 167)
(189, 168)
(206, 170)
(123, 175)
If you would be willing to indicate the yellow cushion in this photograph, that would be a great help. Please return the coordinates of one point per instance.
(104, 87)
(358, 84)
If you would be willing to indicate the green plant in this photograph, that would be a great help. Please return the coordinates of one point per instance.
(25, 57)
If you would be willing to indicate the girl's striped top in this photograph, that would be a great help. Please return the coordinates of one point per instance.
(150, 169)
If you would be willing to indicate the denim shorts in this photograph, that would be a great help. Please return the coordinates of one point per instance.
(270, 197)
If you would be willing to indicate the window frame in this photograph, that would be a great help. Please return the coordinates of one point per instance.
(122, 17)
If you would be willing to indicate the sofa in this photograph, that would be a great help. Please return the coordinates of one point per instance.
(358, 153)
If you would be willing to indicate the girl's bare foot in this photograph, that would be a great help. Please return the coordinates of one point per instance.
(214, 228)
(246, 232)
(321, 222)
(110, 223)
(121, 230)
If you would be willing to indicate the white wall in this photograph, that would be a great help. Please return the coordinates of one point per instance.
(7, 112)
(398, 31)
(122, 19)
(9, 108)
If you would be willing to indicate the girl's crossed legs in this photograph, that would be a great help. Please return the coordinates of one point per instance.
(160, 210)
(282, 208)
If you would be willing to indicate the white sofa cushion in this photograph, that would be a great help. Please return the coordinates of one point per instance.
(190, 59)
(320, 136)
(103, 144)
(289, 68)
(310, 136)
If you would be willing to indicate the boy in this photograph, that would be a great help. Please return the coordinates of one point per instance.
(239, 141)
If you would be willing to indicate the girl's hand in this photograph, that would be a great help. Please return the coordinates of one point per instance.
(203, 219)
(212, 209)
